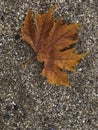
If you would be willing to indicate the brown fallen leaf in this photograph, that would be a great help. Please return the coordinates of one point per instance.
(50, 41)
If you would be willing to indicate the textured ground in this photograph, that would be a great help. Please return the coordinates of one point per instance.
(28, 102)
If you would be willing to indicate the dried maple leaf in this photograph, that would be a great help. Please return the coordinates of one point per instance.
(49, 40)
